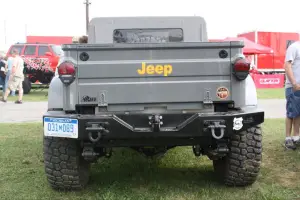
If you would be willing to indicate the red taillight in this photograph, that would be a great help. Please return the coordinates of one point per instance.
(66, 68)
(66, 72)
(241, 65)
(241, 68)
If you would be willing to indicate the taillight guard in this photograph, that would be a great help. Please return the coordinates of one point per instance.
(67, 72)
(241, 68)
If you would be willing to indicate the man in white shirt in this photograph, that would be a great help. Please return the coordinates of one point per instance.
(292, 92)
(16, 77)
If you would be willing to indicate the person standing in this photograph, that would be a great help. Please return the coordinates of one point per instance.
(2, 72)
(8, 72)
(16, 77)
(292, 93)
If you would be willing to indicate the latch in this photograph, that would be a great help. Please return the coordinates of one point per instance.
(207, 98)
(155, 121)
(214, 125)
(102, 99)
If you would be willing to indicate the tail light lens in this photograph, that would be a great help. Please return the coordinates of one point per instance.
(67, 72)
(241, 68)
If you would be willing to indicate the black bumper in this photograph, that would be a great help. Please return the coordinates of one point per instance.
(136, 127)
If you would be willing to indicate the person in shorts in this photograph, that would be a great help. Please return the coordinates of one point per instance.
(2, 72)
(8, 72)
(16, 77)
(292, 93)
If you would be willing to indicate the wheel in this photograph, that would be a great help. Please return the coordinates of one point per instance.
(64, 166)
(26, 85)
(242, 165)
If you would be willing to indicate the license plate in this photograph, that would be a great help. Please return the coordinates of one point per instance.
(61, 127)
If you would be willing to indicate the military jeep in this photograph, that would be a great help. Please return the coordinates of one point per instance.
(152, 84)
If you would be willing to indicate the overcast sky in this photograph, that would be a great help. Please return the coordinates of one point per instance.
(67, 17)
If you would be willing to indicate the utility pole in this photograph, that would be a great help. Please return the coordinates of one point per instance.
(87, 5)
(5, 37)
(25, 30)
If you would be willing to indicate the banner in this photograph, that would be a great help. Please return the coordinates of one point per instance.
(268, 80)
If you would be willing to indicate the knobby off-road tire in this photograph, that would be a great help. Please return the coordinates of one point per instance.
(242, 165)
(64, 165)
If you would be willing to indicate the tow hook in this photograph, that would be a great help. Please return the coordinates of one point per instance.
(216, 124)
(155, 121)
(96, 129)
(94, 136)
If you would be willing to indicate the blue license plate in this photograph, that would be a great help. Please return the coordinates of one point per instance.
(61, 127)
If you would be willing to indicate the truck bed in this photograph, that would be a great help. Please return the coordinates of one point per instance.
(136, 77)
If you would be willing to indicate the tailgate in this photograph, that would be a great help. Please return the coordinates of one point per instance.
(155, 73)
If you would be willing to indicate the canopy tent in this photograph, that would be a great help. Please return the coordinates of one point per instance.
(251, 47)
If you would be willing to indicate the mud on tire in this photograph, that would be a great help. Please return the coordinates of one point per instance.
(64, 165)
(242, 165)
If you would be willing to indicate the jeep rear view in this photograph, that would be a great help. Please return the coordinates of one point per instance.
(151, 84)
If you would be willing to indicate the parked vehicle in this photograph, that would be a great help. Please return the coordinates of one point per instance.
(151, 84)
(40, 62)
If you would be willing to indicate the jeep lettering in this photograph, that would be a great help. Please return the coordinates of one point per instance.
(155, 69)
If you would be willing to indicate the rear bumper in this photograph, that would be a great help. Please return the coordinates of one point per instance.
(136, 127)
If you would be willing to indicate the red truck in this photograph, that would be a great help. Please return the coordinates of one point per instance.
(40, 62)
(58, 40)
(278, 41)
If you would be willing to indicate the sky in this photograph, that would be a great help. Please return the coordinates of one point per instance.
(224, 18)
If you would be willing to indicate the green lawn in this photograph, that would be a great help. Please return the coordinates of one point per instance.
(35, 94)
(270, 93)
(128, 175)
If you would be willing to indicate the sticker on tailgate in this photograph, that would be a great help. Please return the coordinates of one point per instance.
(150, 69)
(222, 93)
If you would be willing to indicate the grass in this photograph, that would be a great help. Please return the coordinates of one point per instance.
(35, 95)
(128, 175)
(270, 93)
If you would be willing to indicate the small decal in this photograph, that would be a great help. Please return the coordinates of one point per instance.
(222, 92)
(237, 123)
(89, 99)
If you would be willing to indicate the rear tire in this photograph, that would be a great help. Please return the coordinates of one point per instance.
(242, 165)
(65, 167)
(26, 85)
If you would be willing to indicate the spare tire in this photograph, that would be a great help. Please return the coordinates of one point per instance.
(26, 85)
